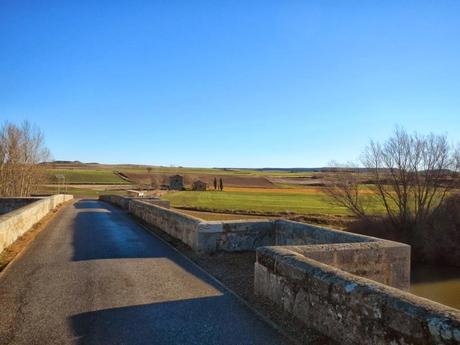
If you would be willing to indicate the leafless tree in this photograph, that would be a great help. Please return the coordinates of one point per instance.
(22, 148)
(342, 186)
(411, 175)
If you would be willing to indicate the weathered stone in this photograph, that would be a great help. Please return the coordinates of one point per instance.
(11, 204)
(331, 280)
(352, 309)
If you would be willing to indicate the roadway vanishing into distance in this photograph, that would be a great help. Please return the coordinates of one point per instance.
(95, 276)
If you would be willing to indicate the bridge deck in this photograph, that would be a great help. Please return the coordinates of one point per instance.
(94, 276)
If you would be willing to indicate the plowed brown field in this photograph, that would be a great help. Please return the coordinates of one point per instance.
(228, 180)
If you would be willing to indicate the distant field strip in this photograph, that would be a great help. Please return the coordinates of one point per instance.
(86, 176)
(291, 190)
(213, 171)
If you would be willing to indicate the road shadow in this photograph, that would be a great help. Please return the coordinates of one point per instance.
(116, 236)
(101, 231)
(113, 235)
(91, 204)
(205, 320)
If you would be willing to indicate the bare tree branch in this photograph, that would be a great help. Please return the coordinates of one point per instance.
(22, 148)
(411, 177)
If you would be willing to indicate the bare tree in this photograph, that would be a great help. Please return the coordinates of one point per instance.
(411, 175)
(22, 148)
(342, 186)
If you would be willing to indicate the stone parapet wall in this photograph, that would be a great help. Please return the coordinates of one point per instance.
(156, 201)
(202, 236)
(157, 213)
(349, 308)
(15, 223)
(291, 233)
(10, 204)
(118, 200)
(235, 236)
(176, 224)
(383, 261)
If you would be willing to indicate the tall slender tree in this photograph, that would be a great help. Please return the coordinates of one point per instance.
(149, 171)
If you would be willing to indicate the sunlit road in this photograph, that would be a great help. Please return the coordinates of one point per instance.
(94, 276)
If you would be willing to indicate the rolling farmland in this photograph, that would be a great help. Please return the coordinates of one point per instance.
(245, 191)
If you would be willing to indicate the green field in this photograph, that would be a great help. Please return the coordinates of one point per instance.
(259, 202)
(85, 176)
(286, 198)
(104, 174)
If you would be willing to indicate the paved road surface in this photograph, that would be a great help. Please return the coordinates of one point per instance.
(94, 276)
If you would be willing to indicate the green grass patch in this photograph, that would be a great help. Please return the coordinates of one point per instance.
(260, 202)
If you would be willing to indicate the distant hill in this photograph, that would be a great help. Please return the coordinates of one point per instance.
(65, 162)
(300, 170)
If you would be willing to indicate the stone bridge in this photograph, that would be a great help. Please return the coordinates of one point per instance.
(96, 276)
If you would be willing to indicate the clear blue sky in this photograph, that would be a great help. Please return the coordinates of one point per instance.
(228, 83)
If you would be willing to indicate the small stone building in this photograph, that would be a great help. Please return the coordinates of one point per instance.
(176, 182)
(199, 185)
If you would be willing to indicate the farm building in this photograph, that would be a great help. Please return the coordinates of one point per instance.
(199, 185)
(176, 182)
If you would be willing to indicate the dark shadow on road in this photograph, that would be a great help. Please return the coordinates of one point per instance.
(191, 321)
(92, 203)
(114, 235)
(101, 231)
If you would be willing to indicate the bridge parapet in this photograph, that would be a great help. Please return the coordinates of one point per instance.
(349, 287)
(23, 213)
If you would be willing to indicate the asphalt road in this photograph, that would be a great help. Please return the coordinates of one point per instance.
(94, 276)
